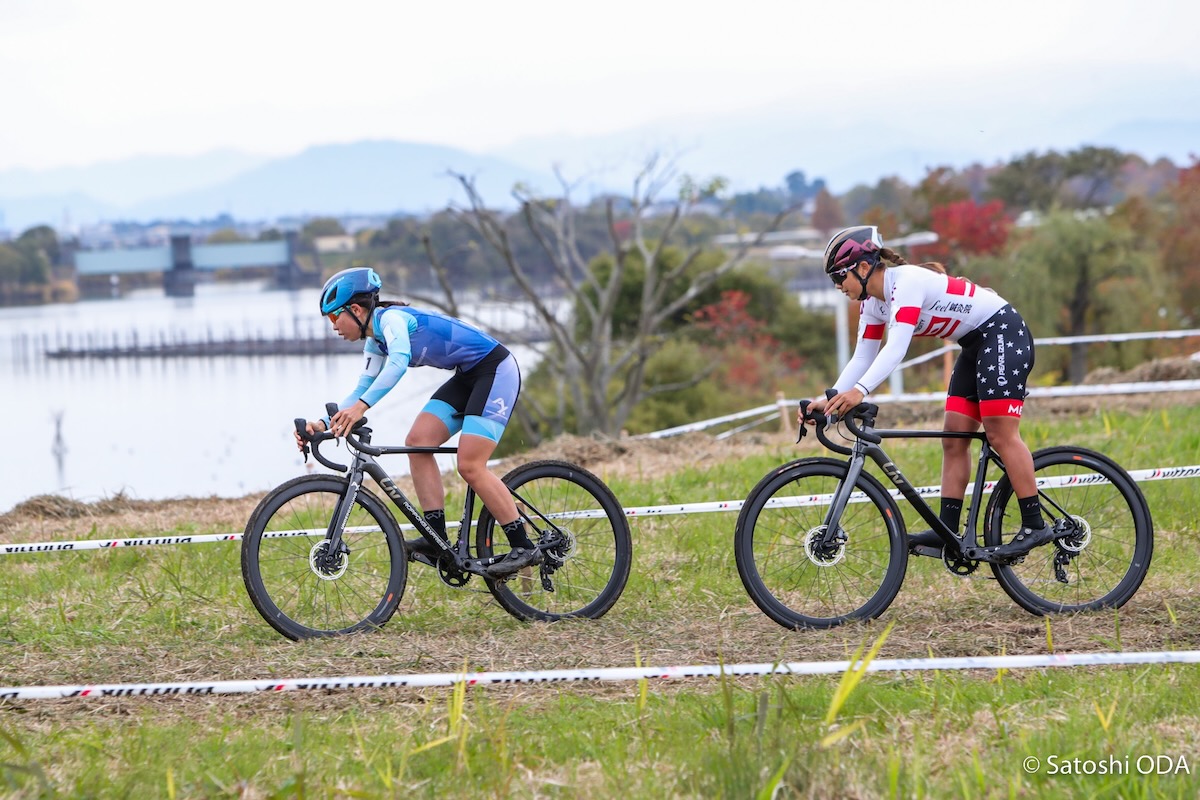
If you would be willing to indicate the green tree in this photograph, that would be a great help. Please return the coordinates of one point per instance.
(1092, 174)
(12, 262)
(1031, 181)
(43, 239)
(225, 236)
(1078, 275)
(319, 226)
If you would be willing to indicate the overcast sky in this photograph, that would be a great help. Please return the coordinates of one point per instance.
(85, 80)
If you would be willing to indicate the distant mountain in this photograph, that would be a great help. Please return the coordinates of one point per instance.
(367, 177)
(755, 152)
(60, 211)
(751, 150)
(128, 181)
(359, 178)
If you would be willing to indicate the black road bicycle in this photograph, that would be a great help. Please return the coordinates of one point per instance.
(820, 541)
(322, 555)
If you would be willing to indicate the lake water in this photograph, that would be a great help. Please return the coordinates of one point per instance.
(157, 428)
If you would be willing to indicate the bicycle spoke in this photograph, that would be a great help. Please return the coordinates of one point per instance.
(573, 507)
(300, 592)
(799, 574)
(1112, 535)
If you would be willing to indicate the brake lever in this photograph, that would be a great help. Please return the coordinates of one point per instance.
(302, 430)
(831, 420)
(804, 404)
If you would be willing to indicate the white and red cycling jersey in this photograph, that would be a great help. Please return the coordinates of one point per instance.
(920, 302)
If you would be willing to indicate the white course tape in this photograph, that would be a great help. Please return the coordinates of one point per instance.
(99, 691)
(1139, 476)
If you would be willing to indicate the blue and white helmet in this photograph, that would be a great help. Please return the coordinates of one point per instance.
(344, 285)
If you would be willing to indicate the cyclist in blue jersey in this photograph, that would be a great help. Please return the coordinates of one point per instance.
(476, 401)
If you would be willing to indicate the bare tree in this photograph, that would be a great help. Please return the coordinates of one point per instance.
(601, 375)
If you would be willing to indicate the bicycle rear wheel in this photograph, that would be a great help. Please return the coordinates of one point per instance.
(300, 593)
(1106, 554)
(800, 576)
(587, 549)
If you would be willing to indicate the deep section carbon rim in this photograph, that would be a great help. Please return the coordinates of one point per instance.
(587, 567)
(302, 589)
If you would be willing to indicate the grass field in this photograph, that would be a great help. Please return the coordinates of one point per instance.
(180, 613)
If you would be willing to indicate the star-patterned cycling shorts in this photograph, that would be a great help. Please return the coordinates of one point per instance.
(989, 378)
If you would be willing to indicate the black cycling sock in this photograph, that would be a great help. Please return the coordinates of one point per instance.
(1031, 511)
(437, 520)
(951, 513)
(516, 534)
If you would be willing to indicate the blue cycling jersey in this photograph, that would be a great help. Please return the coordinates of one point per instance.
(403, 336)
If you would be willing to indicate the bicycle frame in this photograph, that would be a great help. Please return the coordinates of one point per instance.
(364, 462)
(863, 449)
(868, 444)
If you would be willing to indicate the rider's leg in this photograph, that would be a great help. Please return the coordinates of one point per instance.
(427, 431)
(1005, 436)
(956, 464)
(473, 454)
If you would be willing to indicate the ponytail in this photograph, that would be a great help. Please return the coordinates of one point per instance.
(893, 259)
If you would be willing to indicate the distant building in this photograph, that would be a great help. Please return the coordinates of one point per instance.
(334, 244)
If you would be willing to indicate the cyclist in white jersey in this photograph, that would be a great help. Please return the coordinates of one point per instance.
(988, 383)
(476, 401)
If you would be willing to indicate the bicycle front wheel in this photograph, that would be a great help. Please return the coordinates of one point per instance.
(804, 576)
(1105, 555)
(587, 549)
(301, 591)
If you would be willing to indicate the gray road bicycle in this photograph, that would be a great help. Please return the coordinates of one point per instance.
(322, 555)
(820, 541)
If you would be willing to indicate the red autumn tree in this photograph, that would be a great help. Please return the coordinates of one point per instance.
(966, 228)
(1181, 240)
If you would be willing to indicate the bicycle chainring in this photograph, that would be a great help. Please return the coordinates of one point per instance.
(958, 565)
(451, 575)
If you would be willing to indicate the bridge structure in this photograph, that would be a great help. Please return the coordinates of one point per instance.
(181, 260)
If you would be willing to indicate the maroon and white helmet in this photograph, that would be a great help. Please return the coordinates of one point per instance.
(852, 245)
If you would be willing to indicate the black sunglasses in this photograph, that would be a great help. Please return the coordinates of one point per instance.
(839, 277)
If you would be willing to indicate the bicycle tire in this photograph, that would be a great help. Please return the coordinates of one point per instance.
(795, 579)
(290, 591)
(596, 558)
(1110, 554)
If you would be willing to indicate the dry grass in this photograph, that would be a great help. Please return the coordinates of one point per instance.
(936, 614)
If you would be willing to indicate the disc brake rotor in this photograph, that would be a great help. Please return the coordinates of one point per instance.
(824, 550)
(1079, 538)
(324, 567)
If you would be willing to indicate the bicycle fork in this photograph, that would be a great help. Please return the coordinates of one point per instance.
(833, 538)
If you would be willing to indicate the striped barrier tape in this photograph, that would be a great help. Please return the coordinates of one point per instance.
(1139, 476)
(789, 406)
(422, 680)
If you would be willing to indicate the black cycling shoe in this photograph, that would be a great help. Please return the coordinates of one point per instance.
(1025, 540)
(514, 561)
(421, 549)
